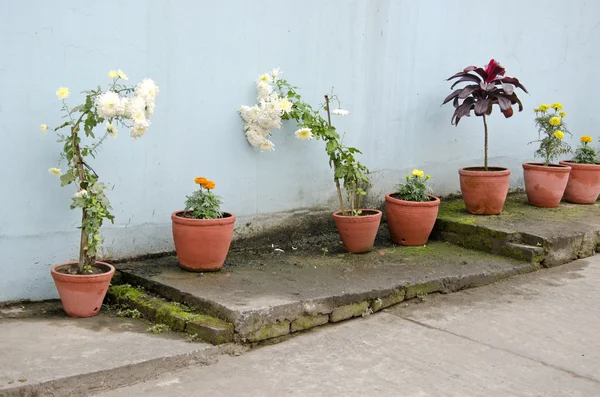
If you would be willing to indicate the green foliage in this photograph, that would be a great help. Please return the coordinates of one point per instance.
(158, 328)
(348, 171)
(203, 204)
(415, 188)
(551, 145)
(130, 313)
(585, 154)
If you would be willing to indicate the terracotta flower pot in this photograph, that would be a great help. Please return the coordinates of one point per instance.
(484, 192)
(410, 222)
(358, 232)
(202, 244)
(584, 183)
(545, 185)
(82, 294)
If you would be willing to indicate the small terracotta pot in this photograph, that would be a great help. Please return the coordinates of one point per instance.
(584, 183)
(202, 244)
(545, 185)
(410, 222)
(82, 294)
(358, 232)
(484, 192)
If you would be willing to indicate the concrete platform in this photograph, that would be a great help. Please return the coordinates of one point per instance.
(549, 236)
(272, 292)
(53, 355)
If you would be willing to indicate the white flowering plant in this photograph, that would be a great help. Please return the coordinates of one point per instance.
(118, 105)
(277, 101)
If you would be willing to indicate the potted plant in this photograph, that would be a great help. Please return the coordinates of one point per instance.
(410, 211)
(201, 231)
(484, 189)
(584, 180)
(82, 285)
(279, 100)
(545, 183)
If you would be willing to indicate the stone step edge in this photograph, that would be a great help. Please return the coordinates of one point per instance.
(175, 315)
(361, 304)
(121, 376)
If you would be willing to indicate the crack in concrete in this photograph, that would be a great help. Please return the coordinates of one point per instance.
(545, 364)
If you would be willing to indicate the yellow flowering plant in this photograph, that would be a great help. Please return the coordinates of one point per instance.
(551, 132)
(585, 154)
(81, 141)
(203, 203)
(415, 188)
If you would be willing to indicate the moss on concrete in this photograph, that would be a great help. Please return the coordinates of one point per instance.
(394, 298)
(268, 331)
(422, 289)
(306, 322)
(348, 311)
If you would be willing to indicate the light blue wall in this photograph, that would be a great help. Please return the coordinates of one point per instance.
(386, 59)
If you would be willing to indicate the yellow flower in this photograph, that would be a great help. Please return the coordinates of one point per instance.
(557, 106)
(209, 185)
(44, 128)
(62, 93)
(427, 177)
(55, 171)
(113, 74)
(543, 107)
(559, 134)
(418, 173)
(122, 75)
(537, 110)
(562, 114)
(554, 121)
(586, 139)
(200, 180)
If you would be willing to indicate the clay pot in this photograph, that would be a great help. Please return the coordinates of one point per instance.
(202, 244)
(358, 232)
(545, 185)
(82, 294)
(410, 222)
(484, 192)
(584, 183)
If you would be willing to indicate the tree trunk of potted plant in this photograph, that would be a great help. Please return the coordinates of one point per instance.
(484, 189)
(202, 233)
(545, 182)
(82, 285)
(410, 212)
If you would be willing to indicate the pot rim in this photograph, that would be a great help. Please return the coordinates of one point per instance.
(202, 222)
(82, 278)
(494, 172)
(559, 168)
(431, 203)
(375, 213)
(572, 164)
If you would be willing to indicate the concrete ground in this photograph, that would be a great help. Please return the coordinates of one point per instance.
(533, 335)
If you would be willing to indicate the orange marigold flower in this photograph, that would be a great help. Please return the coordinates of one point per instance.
(200, 180)
(209, 185)
(585, 139)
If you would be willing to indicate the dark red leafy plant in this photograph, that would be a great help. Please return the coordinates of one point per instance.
(485, 87)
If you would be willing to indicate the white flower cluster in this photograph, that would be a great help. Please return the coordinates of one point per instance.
(265, 116)
(138, 108)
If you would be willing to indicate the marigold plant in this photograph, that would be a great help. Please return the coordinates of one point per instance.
(415, 187)
(551, 131)
(585, 154)
(203, 203)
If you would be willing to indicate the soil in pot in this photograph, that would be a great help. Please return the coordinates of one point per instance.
(82, 294)
(484, 192)
(583, 186)
(545, 185)
(358, 232)
(410, 222)
(202, 244)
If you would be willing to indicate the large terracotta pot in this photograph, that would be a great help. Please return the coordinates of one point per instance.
(358, 232)
(545, 185)
(584, 183)
(410, 222)
(484, 192)
(82, 294)
(202, 244)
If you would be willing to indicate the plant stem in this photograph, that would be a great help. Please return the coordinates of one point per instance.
(485, 161)
(337, 181)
